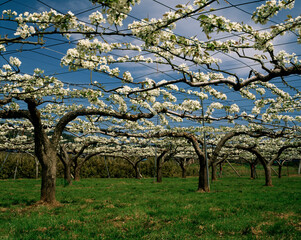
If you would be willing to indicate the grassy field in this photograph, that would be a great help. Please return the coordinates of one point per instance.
(236, 208)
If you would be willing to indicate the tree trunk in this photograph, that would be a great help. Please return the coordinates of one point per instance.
(37, 168)
(203, 177)
(268, 175)
(220, 170)
(65, 159)
(159, 170)
(48, 178)
(252, 167)
(203, 185)
(137, 172)
(279, 170)
(183, 168)
(67, 172)
(213, 172)
(77, 169)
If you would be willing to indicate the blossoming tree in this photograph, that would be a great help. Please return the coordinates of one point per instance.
(30, 95)
(269, 151)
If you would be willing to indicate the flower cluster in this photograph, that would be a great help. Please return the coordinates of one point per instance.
(213, 92)
(190, 105)
(234, 108)
(25, 31)
(212, 106)
(97, 18)
(284, 58)
(15, 61)
(36, 23)
(271, 8)
(117, 11)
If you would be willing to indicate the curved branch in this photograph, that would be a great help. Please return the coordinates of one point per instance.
(277, 72)
(10, 114)
(88, 112)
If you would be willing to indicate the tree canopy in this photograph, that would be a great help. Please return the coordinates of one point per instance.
(148, 76)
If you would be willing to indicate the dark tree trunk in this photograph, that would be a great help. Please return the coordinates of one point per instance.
(159, 169)
(65, 159)
(67, 172)
(279, 170)
(77, 170)
(213, 172)
(183, 168)
(45, 152)
(266, 164)
(79, 164)
(184, 174)
(252, 167)
(203, 185)
(159, 162)
(220, 170)
(203, 178)
(48, 178)
(77, 174)
(137, 172)
(268, 175)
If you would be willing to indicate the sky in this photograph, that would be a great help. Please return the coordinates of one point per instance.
(49, 56)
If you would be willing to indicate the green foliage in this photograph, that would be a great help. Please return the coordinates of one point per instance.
(119, 168)
(25, 164)
(141, 209)
(95, 167)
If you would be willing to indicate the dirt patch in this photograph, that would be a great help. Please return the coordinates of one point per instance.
(75, 221)
(188, 206)
(41, 229)
(297, 226)
(110, 206)
(285, 216)
(47, 204)
(3, 209)
(215, 209)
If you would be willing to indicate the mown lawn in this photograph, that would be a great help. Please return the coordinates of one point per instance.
(236, 208)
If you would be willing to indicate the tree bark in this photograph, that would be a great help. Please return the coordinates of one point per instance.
(77, 173)
(203, 185)
(220, 169)
(49, 178)
(76, 170)
(67, 161)
(279, 170)
(252, 167)
(79, 164)
(67, 172)
(268, 174)
(137, 172)
(159, 169)
(265, 163)
(182, 163)
(45, 151)
(159, 162)
(213, 172)
(183, 168)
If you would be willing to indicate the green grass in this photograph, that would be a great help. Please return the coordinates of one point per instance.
(236, 208)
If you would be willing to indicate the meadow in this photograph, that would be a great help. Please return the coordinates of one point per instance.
(99, 208)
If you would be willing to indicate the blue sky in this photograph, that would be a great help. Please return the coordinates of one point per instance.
(48, 58)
